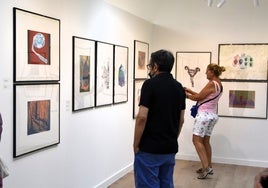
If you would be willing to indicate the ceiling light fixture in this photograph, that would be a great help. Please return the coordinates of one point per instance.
(210, 3)
(256, 3)
(219, 5)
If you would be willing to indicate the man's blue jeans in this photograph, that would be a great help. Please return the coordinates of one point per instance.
(154, 170)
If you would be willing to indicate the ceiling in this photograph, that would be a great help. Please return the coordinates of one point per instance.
(190, 14)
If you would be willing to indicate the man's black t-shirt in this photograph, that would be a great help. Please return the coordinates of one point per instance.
(165, 98)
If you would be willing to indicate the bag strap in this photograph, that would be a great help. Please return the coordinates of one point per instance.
(209, 99)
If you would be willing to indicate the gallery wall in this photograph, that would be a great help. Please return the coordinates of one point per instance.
(96, 145)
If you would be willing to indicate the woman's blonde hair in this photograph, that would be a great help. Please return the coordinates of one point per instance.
(216, 69)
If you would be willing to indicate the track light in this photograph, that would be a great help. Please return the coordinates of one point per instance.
(219, 5)
(256, 3)
(210, 3)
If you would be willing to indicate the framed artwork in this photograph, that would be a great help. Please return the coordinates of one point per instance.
(141, 59)
(104, 74)
(120, 74)
(83, 73)
(36, 47)
(244, 61)
(136, 97)
(36, 112)
(243, 99)
(191, 69)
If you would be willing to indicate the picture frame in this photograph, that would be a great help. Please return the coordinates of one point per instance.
(244, 61)
(36, 47)
(141, 59)
(120, 74)
(104, 74)
(136, 96)
(36, 117)
(84, 59)
(243, 100)
(191, 68)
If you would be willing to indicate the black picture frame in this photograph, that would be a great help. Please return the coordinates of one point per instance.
(120, 94)
(104, 74)
(141, 59)
(36, 117)
(36, 47)
(84, 63)
(244, 61)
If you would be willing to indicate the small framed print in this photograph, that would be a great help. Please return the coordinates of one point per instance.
(104, 74)
(243, 99)
(36, 47)
(36, 112)
(83, 73)
(136, 97)
(141, 59)
(191, 68)
(120, 74)
(244, 61)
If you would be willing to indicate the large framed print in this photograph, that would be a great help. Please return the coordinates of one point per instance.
(244, 61)
(120, 74)
(191, 69)
(36, 47)
(141, 59)
(104, 74)
(136, 97)
(36, 113)
(83, 73)
(243, 99)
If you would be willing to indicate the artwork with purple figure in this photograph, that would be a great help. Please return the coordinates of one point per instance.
(241, 99)
(121, 74)
(84, 73)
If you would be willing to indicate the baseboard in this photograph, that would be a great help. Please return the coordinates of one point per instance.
(243, 162)
(116, 176)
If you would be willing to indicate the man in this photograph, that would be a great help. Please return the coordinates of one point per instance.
(158, 124)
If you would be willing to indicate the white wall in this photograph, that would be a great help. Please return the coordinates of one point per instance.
(95, 145)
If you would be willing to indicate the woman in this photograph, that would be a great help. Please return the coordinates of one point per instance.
(206, 117)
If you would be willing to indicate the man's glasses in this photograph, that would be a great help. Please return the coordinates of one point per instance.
(149, 66)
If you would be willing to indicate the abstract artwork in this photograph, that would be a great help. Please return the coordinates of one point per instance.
(191, 68)
(83, 73)
(243, 99)
(37, 47)
(120, 74)
(141, 58)
(104, 74)
(244, 61)
(36, 117)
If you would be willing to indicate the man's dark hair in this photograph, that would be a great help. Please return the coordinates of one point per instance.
(164, 59)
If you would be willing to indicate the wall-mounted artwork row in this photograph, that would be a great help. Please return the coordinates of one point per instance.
(100, 73)
(36, 81)
(244, 81)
